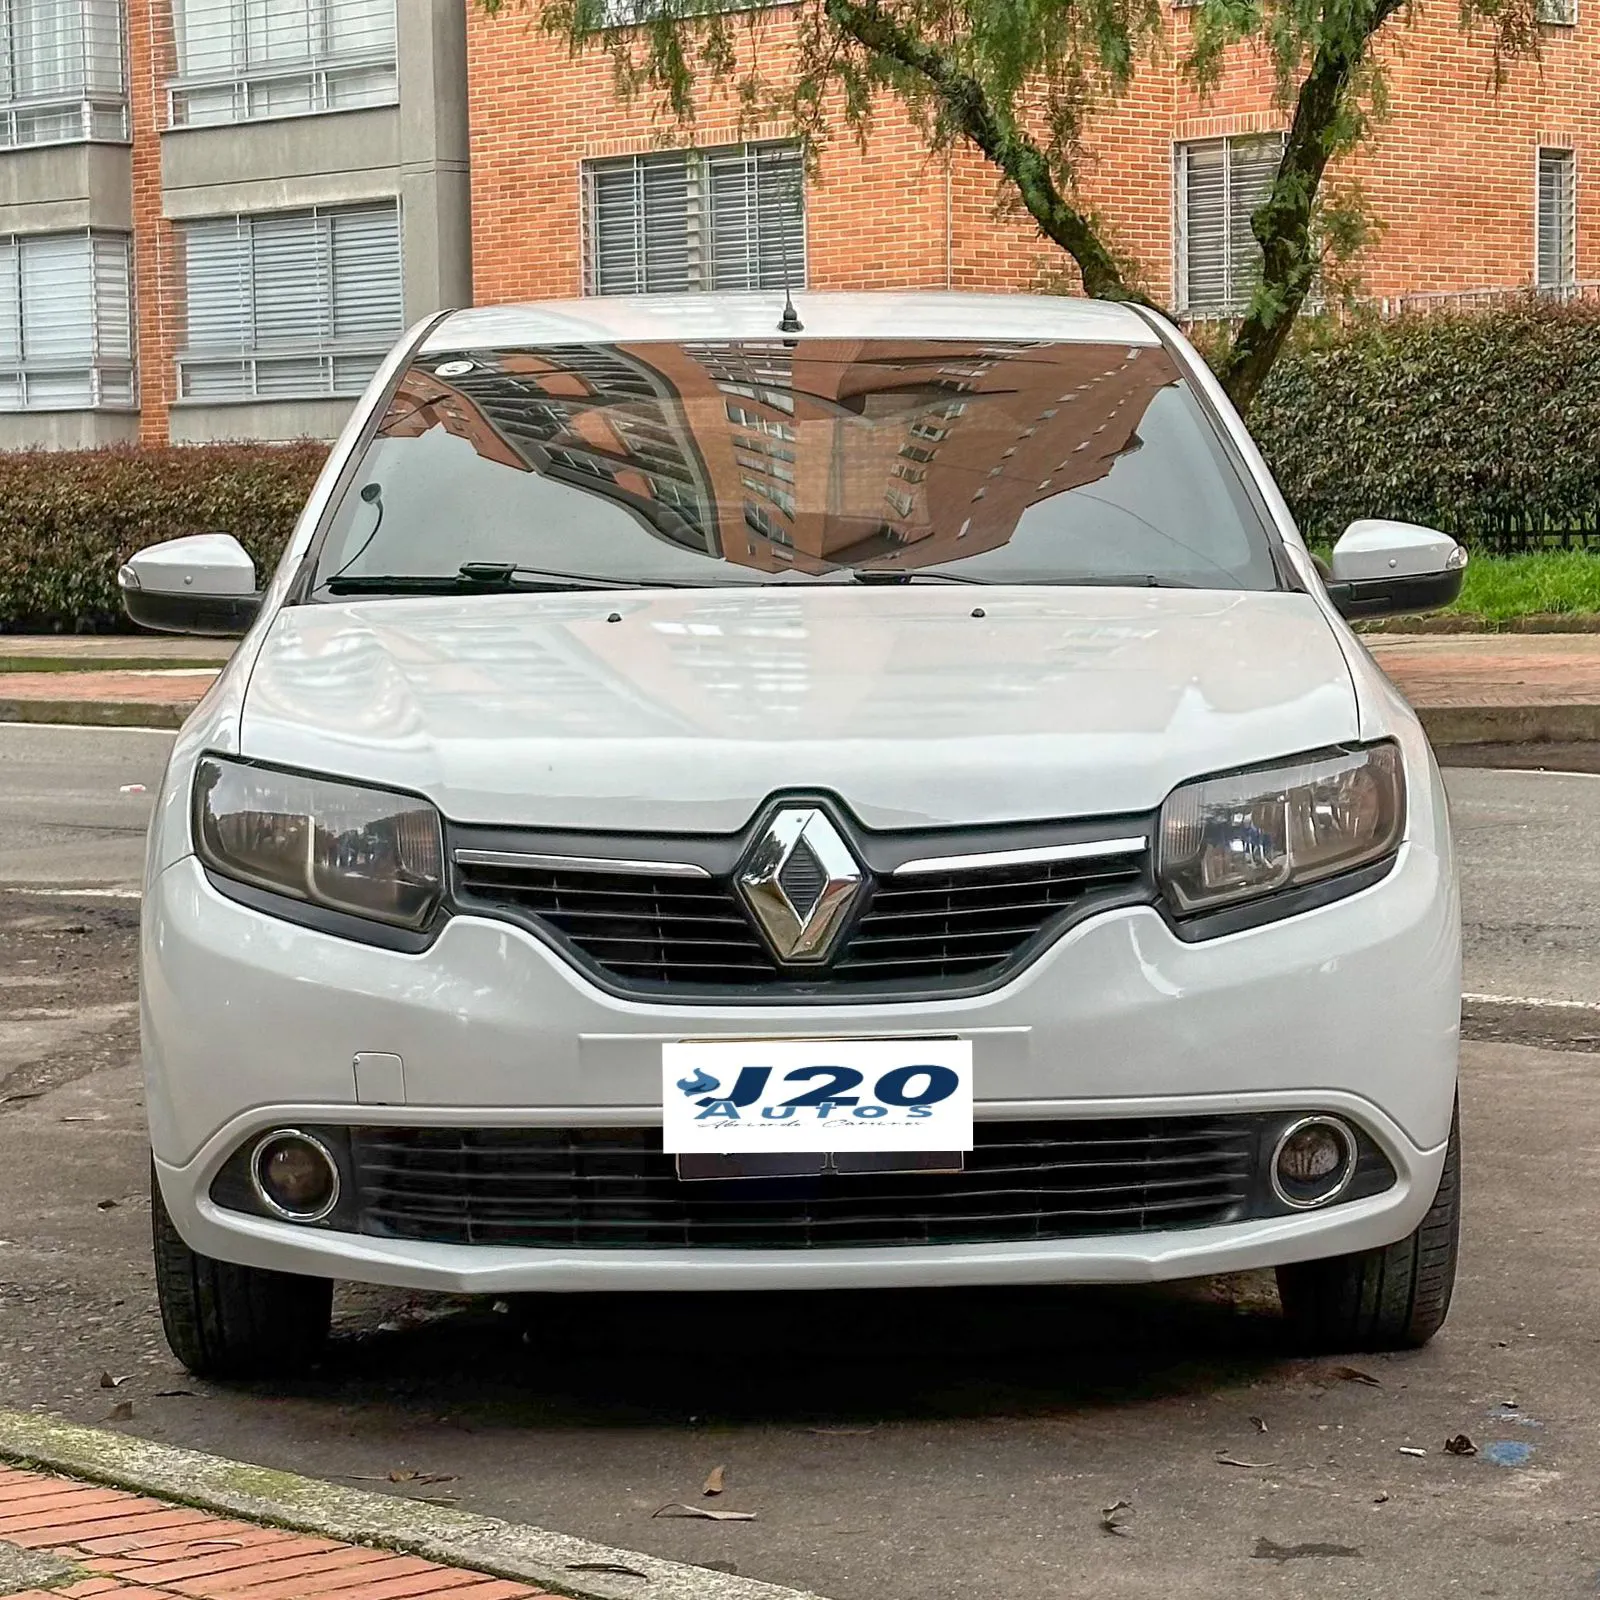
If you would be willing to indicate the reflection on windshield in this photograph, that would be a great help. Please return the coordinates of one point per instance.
(805, 456)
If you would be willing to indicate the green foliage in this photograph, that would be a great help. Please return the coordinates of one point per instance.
(1560, 582)
(69, 519)
(1482, 424)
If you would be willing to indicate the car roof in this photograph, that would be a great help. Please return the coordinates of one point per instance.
(754, 315)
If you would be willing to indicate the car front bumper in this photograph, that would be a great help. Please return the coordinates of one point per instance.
(252, 1023)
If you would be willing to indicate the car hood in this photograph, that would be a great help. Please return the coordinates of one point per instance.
(686, 710)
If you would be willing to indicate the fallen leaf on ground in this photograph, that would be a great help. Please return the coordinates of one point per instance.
(122, 1411)
(1458, 1444)
(1266, 1550)
(1259, 1424)
(1380, 1497)
(710, 1513)
(1234, 1461)
(90, 1116)
(106, 1205)
(31, 1094)
(1356, 1375)
(714, 1481)
(172, 1394)
(1111, 1516)
(845, 1433)
(1411, 1450)
(108, 1382)
(606, 1566)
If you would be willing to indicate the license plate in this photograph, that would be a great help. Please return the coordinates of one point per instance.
(735, 1096)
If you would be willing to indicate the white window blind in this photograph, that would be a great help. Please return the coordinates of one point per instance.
(1555, 225)
(1219, 183)
(728, 218)
(66, 322)
(1560, 13)
(63, 72)
(289, 304)
(242, 59)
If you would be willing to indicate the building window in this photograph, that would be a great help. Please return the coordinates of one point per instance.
(1557, 217)
(66, 322)
(237, 60)
(731, 218)
(1559, 13)
(63, 72)
(289, 305)
(1219, 184)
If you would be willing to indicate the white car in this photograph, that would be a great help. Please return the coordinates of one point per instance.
(727, 795)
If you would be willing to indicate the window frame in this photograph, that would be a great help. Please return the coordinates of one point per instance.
(101, 365)
(326, 348)
(699, 162)
(1233, 304)
(245, 79)
(1569, 223)
(97, 22)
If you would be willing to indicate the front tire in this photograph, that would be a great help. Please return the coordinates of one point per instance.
(1393, 1298)
(227, 1321)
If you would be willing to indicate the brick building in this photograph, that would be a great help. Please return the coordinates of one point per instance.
(215, 215)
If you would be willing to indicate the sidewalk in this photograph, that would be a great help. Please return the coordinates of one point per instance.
(1470, 688)
(69, 1540)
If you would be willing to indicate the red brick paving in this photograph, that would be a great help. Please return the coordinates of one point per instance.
(1503, 669)
(159, 686)
(142, 1549)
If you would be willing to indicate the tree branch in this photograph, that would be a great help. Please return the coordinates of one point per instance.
(1282, 223)
(1017, 155)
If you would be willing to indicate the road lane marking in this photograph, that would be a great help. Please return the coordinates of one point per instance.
(67, 891)
(1531, 1001)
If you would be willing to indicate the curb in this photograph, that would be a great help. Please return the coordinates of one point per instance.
(1531, 622)
(554, 1561)
(96, 713)
(1452, 726)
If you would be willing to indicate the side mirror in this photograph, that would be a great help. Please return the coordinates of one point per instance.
(1381, 568)
(203, 584)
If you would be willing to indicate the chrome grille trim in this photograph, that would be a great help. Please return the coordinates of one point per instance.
(1082, 851)
(517, 858)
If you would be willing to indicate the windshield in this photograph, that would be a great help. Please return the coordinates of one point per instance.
(817, 460)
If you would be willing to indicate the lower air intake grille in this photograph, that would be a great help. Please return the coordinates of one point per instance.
(592, 1188)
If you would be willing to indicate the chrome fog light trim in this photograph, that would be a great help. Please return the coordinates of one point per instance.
(1339, 1177)
(263, 1193)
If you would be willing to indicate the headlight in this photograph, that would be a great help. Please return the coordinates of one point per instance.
(366, 852)
(1248, 834)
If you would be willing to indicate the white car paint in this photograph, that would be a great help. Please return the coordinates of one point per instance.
(1072, 702)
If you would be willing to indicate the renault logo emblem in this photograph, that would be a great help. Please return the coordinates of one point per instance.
(800, 881)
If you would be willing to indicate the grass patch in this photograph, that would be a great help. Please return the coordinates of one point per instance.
(1562, 582)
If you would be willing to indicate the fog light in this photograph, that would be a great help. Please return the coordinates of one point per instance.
(294, 1176)
(1314, 1162)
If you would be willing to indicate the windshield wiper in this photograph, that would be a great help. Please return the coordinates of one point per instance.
(882, 575)
(474, 575)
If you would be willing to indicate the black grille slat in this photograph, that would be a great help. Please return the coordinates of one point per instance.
(616, 1187)
(663, 934)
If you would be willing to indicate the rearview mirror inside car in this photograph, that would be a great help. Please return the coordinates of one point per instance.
(1381, 568)
(203, 584)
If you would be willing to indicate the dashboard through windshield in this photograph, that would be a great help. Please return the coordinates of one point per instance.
(788, 461)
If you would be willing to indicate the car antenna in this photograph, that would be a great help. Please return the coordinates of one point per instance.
(790, 321)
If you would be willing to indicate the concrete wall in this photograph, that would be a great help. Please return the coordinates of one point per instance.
(66, 430)
(274, 421)
(66, 186)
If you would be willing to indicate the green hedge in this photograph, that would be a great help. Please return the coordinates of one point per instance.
(1480, 423)
(68, 519)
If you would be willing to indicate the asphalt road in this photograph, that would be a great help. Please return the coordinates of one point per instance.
(906, 1447)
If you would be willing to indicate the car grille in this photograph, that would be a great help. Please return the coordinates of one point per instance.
(574, 1187)
(659, 934)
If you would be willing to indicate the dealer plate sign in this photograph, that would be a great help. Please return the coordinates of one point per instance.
(730, 1096)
